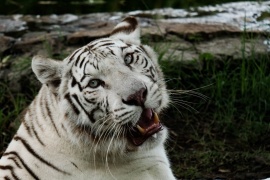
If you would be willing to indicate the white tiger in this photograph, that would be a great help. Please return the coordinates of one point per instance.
(96, 115)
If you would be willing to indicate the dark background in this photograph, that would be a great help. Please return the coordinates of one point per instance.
(42, 7)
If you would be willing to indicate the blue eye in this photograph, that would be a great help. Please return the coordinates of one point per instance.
(128, 59)
(94, 83)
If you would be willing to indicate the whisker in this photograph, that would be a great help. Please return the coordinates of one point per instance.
(106, 161)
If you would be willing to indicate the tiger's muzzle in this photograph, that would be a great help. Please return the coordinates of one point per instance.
(147, 126)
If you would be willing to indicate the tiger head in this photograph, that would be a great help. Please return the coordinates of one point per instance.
(110, 92)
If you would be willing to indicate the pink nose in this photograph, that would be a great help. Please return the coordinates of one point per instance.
(137, 99)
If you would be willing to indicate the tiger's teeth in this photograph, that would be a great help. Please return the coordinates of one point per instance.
(154, 135)
(142, 131)
(156, 119)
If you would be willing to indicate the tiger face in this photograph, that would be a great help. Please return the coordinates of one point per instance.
(110, 91)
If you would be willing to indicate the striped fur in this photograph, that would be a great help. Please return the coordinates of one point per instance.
(77, 127)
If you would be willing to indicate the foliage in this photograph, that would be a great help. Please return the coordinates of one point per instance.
(233, 121)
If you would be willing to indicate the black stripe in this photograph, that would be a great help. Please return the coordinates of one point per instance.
(159, 97)
(23, 163)
(84, 66)
(11, 170)
(15, 161)
(106, 44)
(84, 76)
(97, 64)
(41, 105)
(138, 57)
(92, 114)
(37, 136)
(27, 127)
(96, 42)
(144, 50)
(30, 149)
(50, 116)
(35, 132)
(39, 125)
(111, 51)
(150, 77)
(146, 63)
(123, 48)
(151, 86)
(90, 92)
(119, 109)
(7, 178)
(63, 127)
(71, 57)
(122, 115)
(89, 100)
(83, 60)
(155, 93)
(78, 58)
(107, 105)
(75, 109)
(73, 82)
(74, 165)
(79, 103)
(93, 64)
(34, 115)
(128, 117)
(152, 71)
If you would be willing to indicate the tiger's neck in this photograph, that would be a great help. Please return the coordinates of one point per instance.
(40, 119)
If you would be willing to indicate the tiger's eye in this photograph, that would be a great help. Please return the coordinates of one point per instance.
(94, 83)
(128, 59)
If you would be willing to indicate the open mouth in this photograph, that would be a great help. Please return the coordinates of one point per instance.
(147, 125)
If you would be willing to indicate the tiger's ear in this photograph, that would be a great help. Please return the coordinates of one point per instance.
(48, 71)
(128, 30)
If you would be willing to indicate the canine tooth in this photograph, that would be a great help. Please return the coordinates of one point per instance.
(154, 135)
(156, 119)
(142, 131)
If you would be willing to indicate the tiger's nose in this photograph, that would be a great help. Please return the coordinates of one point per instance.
(137, 99)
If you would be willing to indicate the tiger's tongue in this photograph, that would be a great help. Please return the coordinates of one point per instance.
(147, 125)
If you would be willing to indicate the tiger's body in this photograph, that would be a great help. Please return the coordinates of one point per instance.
(96, 115)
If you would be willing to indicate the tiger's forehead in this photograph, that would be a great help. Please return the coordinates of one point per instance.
(101, 56)
(99, 50)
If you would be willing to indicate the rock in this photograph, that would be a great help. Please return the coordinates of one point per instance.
(195, 31)
(223, 48)
(163, 13)
(67, 18)
(9, 26)
(51, 43)
(5, 43)
(85, 36)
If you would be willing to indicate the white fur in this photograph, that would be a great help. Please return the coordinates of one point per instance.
(69, 153)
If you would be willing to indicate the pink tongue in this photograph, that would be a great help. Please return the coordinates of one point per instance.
(146, 122)
(146, 119)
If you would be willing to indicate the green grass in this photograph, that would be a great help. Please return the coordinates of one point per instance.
(11, 105)
(233, 122)
(239, 97)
